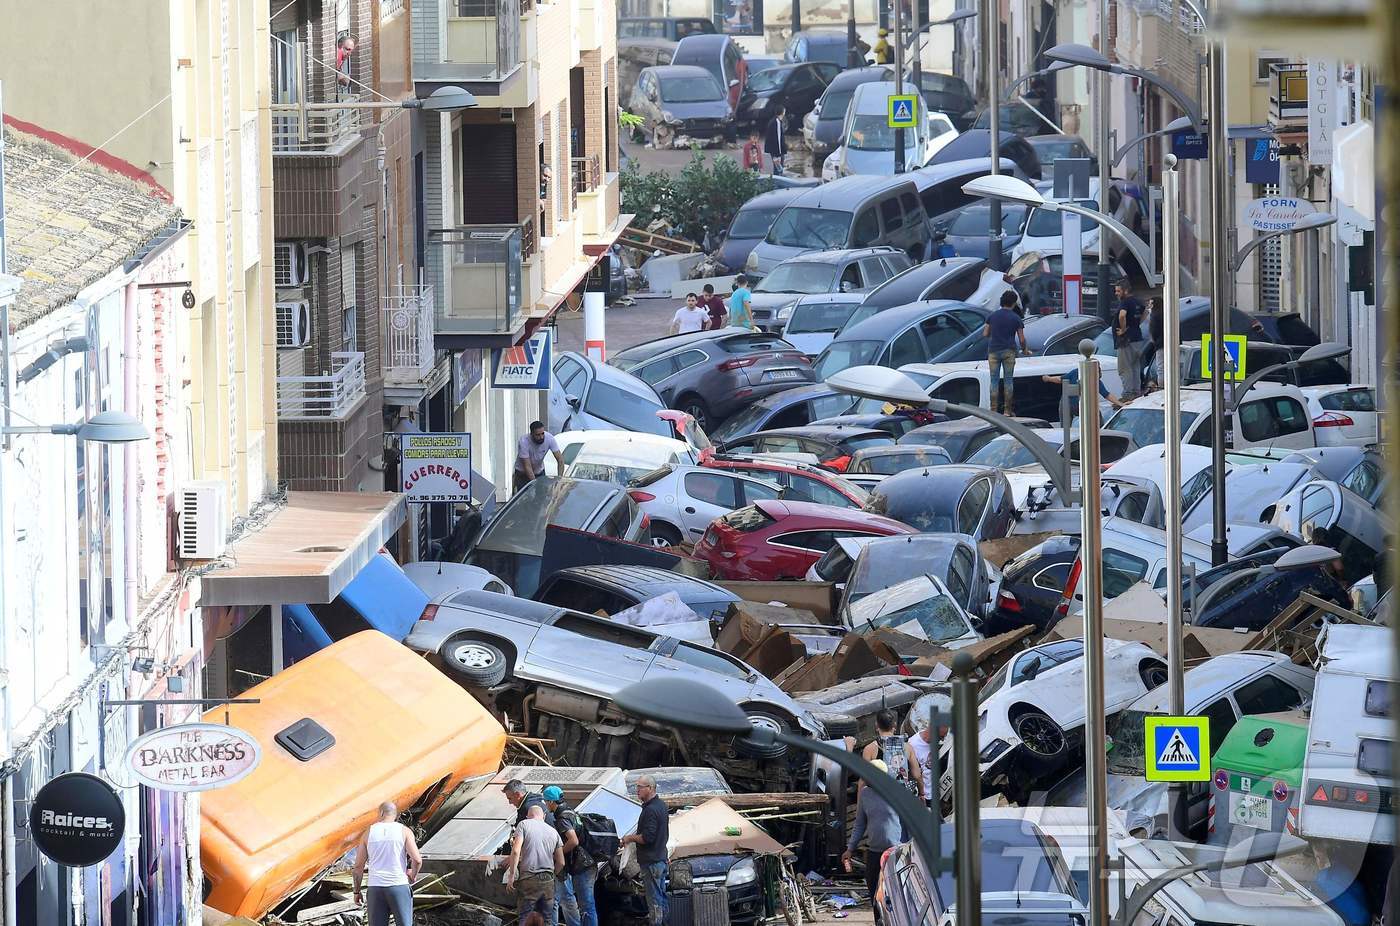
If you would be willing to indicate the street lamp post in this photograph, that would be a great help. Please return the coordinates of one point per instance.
(1171, 383)
(991, 61)
(899, 82)
(917, 33)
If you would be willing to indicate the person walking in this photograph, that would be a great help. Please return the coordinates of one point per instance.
(536, 858)
(740, 312)
(888, 747)
(580, 868)
(714, 305)
(653, 830)
(530, 452)
(880, 826)
(1127, 339)
(1002, 330)
(689, 317)
(882, 49)
(774, 144)
(389, 853)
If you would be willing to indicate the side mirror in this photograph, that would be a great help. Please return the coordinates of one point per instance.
(1032, 668)
(573, 401)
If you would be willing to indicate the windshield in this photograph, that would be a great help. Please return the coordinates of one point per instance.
(871, 132)
(819, 317)
(1047, 224)
(916, 607)
(767, 80)
(1129, 736)
(834, 566)
(884, 566)
(745, 422)
(626, 409)
(803, 277)
(1005, 452)
(1146, 425)
(810, 228)
(753, 223)
(840, 355)
(690, 90)
(887, 464)
(1051, 151)
(972, 220)
(914, 508)
(835, 104)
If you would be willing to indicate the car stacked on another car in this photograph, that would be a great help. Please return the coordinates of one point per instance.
(829, 445)
(794, 88)
(844, 270)
(789, 408)
(799, 481)
(682, 501)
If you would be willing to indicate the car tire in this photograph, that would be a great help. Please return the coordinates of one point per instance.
(476, 662)
(695, 407)
(664, 536)
(771, 719)
(1152, 673)
(1040, 735)
(837, 725)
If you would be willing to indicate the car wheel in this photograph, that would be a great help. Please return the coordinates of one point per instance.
(477, 662)
(664, 535)
(762, 718)
(1041, 735)
(1152, 673)
(837, 725)
(695, 407)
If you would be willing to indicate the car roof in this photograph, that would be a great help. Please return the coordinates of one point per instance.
(779, 197)
(678, 70)
(914, 280)
(834, 431)
(950, 474)
(944, 170)
(1196, 396)
(645, 578)
(796, 394)
(838, 255)
(849, 192)
(859, 76)
(1052, 138)
(1206, 681)
(778, 509)
(853, 299)
(954, 425)
(701, 41)
(891, 321)
(1356, 649)
(868, 95)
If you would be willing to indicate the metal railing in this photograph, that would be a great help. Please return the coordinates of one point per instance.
(487, 33)
(408, 334)
(295, 131)
(327, 397)
(484, 266)
(588, 173)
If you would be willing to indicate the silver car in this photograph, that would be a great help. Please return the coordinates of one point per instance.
(486, 639)
(682, 501)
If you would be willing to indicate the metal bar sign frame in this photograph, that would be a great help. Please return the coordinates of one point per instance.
(436, 467)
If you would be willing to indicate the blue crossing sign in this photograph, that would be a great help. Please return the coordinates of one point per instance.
(903, 110)
(1177, 748)
(1236, 353)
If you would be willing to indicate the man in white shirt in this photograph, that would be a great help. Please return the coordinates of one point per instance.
(689, 317)
(390, 854)
(529, 457)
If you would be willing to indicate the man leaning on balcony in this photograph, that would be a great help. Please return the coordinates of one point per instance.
(529, 459)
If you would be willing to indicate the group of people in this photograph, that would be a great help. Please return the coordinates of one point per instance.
(708, 311)
(768, 141)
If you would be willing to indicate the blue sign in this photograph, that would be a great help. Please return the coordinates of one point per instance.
(1261, 160)
(526, 365)
(466, 373)
(1189, 145)
(1177, 749)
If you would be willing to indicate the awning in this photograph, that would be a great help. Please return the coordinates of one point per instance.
(307, 552)
(383, 597)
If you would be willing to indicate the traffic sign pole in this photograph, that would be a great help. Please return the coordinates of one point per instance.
(899, 80)
(1091, 555)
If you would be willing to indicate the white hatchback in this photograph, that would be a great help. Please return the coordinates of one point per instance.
(1343, 415)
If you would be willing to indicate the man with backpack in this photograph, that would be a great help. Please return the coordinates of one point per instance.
(575, 887)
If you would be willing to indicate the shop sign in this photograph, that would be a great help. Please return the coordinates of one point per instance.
(77, 820)
(525, 365)
(437, 467)
(193, 757)
(1276, 213)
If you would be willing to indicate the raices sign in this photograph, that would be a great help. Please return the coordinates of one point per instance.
(193, 757)
(77, 820)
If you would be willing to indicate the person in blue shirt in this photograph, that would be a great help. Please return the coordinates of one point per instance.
(1337, 886)
(1072, 377)
(1003, 329)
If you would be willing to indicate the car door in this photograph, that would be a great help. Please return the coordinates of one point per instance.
(569, 379)
(874, 271)
(704, 497)
(941, 332)
(972, 507)
(803, 87)
(679, 659)
(588, 653)
(907, 347)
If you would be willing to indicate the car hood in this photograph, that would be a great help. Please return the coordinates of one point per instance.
(769, 256)
(734, 251)
(828, 131)
(706, 109)
(809, 344)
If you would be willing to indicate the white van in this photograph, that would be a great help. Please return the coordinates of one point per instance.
(1348, 779)
(968, 383)
(867, 141)
(1271, 415)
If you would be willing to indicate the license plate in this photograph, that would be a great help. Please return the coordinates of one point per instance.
(1089, 289)
(783, 374)
(1253, 810)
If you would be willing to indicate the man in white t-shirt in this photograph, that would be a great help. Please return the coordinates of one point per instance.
(529, 456)
(689, 317)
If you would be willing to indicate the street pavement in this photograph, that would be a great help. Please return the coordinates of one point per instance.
(627, 325)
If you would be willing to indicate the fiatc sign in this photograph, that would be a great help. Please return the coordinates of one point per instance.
(77, 820)
(1276, 213)
(193, 757)
(526, 365)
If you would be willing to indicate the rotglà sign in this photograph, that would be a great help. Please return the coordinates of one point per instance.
(193, 757)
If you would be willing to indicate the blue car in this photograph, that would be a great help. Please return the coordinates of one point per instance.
(380, 597)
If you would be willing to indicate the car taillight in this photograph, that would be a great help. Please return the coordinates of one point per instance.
(1071, 583)
(1333, 420)
(838, 464)
(638, 496)
(737, 363)
(1007, 601)
(646, 521)
(429, 613)
(795, 355)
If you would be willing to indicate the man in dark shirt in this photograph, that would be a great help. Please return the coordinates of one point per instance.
(713, 304)
(1127, 340)
(653, 830)
(1072, 377)
(1002, 330)
(523, 800)
(774, 145)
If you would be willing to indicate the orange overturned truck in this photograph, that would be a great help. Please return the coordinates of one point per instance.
(362, 721)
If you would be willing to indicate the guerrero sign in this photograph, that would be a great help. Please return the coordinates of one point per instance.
(77, 820)
(526, 365)
(193, 757)
(1276, 213)
(437, 467)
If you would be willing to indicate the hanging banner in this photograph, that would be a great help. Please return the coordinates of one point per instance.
(193, 757)
(77, 820)
(1276, 213)
(526, 365)
(1322, 109)
(437, 467)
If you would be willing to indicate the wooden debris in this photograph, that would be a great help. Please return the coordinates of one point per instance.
(773, 800)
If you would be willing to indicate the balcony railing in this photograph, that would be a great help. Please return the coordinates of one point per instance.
(588, 173)
(295, 131)
(484, 265)
(324, 398)
(408, 334)
(484, 35)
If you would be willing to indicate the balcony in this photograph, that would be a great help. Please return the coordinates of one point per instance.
(483, 38)
(409, 354)
(483, 266)
(329, 397)
(316, 173)
(309, 131)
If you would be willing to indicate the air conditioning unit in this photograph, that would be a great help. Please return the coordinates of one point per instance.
(507, 115)
(292, 267)
(203, 510)
(293, 323)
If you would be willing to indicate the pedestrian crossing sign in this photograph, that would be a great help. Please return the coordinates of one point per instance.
(903, 108)
(1177, 748)
(1236, 355)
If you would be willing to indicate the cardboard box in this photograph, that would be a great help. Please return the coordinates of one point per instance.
(817, 598)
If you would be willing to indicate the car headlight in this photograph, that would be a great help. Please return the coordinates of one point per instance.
(743, 871)
(785, 312)
(667, 116)
(992, 750)
(757, 106)
(751, 264)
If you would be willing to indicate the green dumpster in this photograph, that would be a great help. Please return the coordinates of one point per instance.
(1256, 776)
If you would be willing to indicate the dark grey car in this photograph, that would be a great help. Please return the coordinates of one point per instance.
(712, 374)
(1052, 335)
(965, 231)
(953, 558)
(750, 225)
(847, 270)
(961, 498)
(614, 588)
(921, 332)
(685, 99)
(822, 126)
(944, 278)
(961, 437)
(787, 409)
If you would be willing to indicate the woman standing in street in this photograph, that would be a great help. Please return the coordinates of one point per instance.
(878, 823)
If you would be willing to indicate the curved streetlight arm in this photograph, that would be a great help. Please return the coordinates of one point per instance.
(1182, 101)
(1266, 851)
(949, 21)
(1141, 252)
(1024, 78)
(1133, 143)
(1253, 244)
(1056, 466)
(1255, 378)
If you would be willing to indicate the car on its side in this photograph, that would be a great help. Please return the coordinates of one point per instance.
(821, 128)
(1038, 278)
(957, 498)
(710, 375)
(775, 540)
(1249, 599)
(488, 640)
(685, 100)
(586, 394)
(787, 409)
(722, 56)
(960, 438)
(614, 588)
(799, 481)
(814, 320)
(682, 501)
(1322, 512)
(845, 270)
(793, 87)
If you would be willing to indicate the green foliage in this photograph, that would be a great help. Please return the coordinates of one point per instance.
(706, 193)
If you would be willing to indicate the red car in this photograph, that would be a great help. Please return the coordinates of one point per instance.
(802, 482)
(772, 540)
